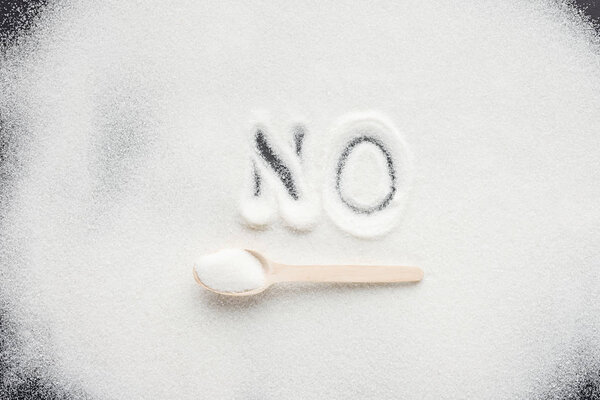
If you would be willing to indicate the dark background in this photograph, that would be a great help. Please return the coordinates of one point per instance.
(16, 17)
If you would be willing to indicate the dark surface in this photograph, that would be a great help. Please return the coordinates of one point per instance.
(591, 8)
(16, 17)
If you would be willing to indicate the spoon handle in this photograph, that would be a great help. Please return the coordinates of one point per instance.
(345, 273)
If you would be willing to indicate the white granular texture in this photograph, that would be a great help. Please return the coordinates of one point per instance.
(230, 270)
(128, 124)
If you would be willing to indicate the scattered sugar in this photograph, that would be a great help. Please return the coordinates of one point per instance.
(127, 125)
(230, 270)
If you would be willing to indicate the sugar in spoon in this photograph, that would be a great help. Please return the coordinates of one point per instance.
(239, 272)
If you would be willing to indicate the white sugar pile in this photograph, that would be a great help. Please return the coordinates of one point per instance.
(230, 270)
(126, 126)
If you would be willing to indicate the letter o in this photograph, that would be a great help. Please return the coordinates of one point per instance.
(379, 218)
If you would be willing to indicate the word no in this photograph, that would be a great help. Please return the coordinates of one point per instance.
(279, 180)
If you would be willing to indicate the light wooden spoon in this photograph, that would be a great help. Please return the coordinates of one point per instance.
(276, 272)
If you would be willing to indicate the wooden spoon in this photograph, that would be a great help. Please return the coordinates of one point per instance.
(276, 272)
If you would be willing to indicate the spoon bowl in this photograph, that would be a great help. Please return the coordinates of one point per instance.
(265, 265)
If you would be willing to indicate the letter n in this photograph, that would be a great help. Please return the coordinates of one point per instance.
(278, 181)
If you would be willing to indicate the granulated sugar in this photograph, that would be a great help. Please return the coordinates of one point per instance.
(230, 270)
(131, 121)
